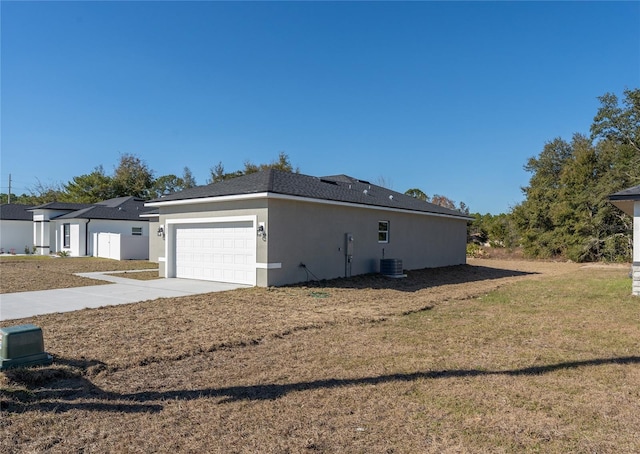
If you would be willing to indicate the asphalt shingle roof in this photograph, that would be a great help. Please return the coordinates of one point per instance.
(627, 194)
(61, 206)
(117, 209)
(338, 188)
(15, 212)
(120, 209)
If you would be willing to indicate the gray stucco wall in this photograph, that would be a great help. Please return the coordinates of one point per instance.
(314, 234)
(215, 210)
(156, 243)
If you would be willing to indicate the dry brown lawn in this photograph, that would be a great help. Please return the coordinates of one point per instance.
(496, 356)
(31, 273)
(138, 275)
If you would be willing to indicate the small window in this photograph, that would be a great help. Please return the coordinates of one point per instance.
(66, 235)
(383, 231)
(136, 231)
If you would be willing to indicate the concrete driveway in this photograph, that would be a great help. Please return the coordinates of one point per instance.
(122, 291)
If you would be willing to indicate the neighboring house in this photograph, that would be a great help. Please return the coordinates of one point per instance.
(273, 228)
(16, 231)
(629, 202)
(75, 228)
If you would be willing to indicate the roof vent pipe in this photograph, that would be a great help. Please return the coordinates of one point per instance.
(391, 197)
(365, 192)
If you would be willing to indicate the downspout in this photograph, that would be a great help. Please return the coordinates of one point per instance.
(86, 237)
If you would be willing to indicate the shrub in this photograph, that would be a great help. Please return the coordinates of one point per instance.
(475, 250)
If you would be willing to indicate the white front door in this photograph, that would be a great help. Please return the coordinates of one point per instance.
(224, 251)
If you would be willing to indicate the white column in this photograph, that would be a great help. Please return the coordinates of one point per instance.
(35, 237)
(636, 248)
(636, 232)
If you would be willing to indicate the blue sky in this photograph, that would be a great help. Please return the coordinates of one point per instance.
(448, 97)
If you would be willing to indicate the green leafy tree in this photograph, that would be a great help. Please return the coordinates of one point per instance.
(503, 232)
(166, 184)
(534, 217)
(620, 123)
(566, 212)
(499, 230)
(90, 188)
(282, 163)
(417, 194)
(132, 177)
(22, 199)
(218, 174)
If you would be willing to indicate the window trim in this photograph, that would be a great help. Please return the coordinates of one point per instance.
(383, 232)
(66, 235)
(136, 231)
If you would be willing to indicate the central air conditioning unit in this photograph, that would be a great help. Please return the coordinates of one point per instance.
(391, 268)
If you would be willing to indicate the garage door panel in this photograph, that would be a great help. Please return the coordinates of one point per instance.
(220, 252)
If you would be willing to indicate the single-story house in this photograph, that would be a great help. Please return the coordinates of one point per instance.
(628, 201)
(274, 228)
(15, 228)
(75, 228)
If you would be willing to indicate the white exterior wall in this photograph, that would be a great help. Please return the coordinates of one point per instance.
(121, 227)
(80, 247)
(44, 231)
(77, 239)
(121, 247)
(16, 235)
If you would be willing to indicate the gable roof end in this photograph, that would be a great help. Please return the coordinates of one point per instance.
(625, 199)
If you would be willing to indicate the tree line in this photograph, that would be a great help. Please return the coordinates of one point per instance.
(566, 213)
(132, 177)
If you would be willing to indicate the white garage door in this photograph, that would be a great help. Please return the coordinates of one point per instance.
(224, 252)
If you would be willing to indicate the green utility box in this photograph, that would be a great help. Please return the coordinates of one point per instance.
(22, 346)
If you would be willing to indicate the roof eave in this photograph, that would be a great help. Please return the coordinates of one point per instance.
(273, 195)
